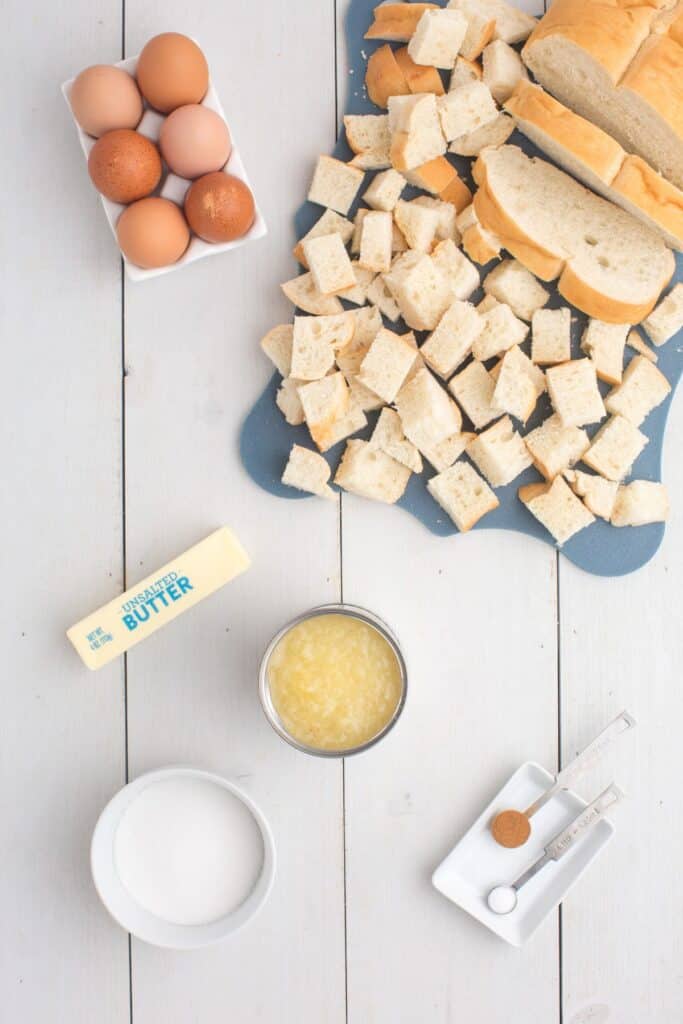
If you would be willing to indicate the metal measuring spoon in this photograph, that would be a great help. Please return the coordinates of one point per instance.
(503, 899)
(512, 828)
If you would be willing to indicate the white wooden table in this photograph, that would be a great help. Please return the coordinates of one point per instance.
(120, 416)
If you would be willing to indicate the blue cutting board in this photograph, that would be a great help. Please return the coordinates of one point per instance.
(266, 439)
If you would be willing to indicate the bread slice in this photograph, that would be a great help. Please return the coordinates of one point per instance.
(639, 345)
(557, 508)
(389, 437)
(643, 388)
(512, 25)
(428, 415)
(417, 137)
(303, 293)
(371, 473)
(500, 330)
(463, 494)
(473, 389)
(335, 184)
(611, 266)
(307, 471)
(640, 503)
(615, 448)
(277, 345)
(330, 223)
(315, 340)
(499, 453)
(620, 66)
(667, 319)
(594, 157)
(604, 344)
(480, 245)
(574, 392)
(493, 133)
(513, 284)
(419, 78)
(384, 77)
(442, 456)
(551, 340)
(503, 69)
(438, 38)
(330, 264)
(422, 291)
(597, 493)
(461, 276)
(554, 447)
(397, 22)
(387, 365)
(451, 343)
(418, 225)
(466, 109)
(376, 242)
(519, 384)
(385, 190)
(324, 402)
(288, 401)
(464, 71)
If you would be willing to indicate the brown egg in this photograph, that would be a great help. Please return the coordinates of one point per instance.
(104, 98)
(219, 207)
(194, 141)
(152, 233)
(172, 71)
(124, 166)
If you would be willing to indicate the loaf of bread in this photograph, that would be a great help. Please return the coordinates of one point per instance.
(621, 66)
(609, 265)
(594, 157)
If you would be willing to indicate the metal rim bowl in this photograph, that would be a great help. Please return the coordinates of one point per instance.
(270, 712)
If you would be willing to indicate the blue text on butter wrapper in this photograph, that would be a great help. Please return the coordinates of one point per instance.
(154, 599)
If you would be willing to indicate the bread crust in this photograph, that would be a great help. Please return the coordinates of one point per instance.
(397, 22)
(384, 77)
(419, 77)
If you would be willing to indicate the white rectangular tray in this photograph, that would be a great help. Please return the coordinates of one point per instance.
(173, 187)
(477, 864)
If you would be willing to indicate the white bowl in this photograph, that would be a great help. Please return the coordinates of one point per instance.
(127, 912)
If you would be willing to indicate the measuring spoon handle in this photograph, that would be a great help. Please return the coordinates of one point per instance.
(588, 817)
(585, 759)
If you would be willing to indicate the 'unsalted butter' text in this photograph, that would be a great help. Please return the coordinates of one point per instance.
(144, 605)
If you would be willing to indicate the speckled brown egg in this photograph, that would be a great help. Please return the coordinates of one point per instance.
(219, 207)
(152, 233)
(124, 166)
(172, 71)
(104, 98)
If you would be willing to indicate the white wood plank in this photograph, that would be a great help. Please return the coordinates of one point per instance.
(195, 369)
(622, 647)
(62, 729)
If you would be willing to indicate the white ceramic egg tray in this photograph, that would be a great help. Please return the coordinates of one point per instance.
(172, 187)
(478, 864)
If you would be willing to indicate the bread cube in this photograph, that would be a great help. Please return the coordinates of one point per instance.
(438, 38)
(277, 345)
(556, 506)
(324, 401)
(433, 176)
(463, 494)
(640, 346)
(481, 245)
(554, 447)
(615, 448)
(288, 401)
(493, 133)
(335, 184)
(513, 284)
(375, 242)
(480, 29)
(315, 340)
(389, 437)
(450, 344)
(597, 493)
(551, 340)
(416, 131)
(574, 392)
(368, 133)
(421, 290)
(460, 274)
(353, 420)
(384, 77)
(307, 471)
(358, 295)
(379, 294)
(442, 456)
(640, 503)
(447, 214)
(385, 190)
(499, 453)
(330, 264)
(465, 109)
(604, 343)
(330, 223)
(473, 389)
(428, 416)
(500, 330)
(387, 364)
(465, 71)
(487, 304)
(518, 385)
(303, 293)
(367, 323)
(371, 473)
(667, 319)
(503, 69)
(643, 388)
(418, 225)
(512, 25)
(396, 21)
(420, 78)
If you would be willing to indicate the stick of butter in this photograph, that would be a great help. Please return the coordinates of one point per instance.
(150, 604)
